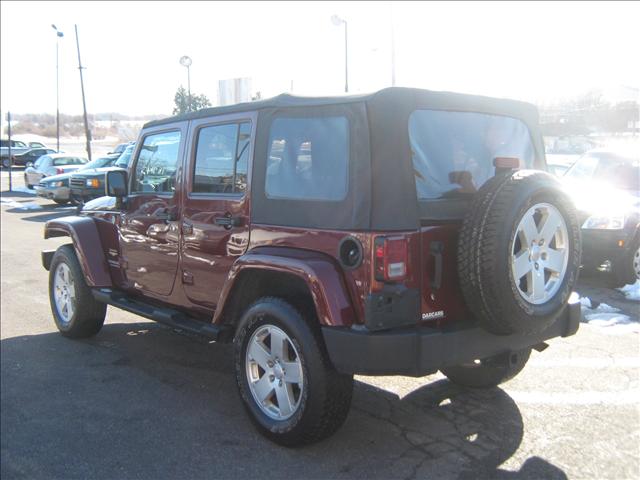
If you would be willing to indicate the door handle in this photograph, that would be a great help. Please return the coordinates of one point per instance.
(228, 221)
(166, 215)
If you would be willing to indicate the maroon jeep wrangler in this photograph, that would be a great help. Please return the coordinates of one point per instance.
(398, 233)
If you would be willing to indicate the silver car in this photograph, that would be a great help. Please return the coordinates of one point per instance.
(53, 164)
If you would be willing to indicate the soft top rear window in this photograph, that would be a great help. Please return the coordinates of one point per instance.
(453, 152)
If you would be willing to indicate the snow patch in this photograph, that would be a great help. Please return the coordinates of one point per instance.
(632, 291)
(607, 316)
(19, 205)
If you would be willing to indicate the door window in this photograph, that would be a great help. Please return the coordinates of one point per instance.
(157, 163)
(222, 158)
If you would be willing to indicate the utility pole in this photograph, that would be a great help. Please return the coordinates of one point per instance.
(10, 158)
(87, 132)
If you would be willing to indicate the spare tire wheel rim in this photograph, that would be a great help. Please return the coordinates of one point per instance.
(540, 253)
(274, 372)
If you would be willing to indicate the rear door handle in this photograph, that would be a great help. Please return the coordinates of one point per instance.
(228, 221)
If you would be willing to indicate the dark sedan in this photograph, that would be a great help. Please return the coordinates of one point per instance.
(29, 156)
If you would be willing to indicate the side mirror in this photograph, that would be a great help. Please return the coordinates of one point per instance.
(29, 164)
(116, 184)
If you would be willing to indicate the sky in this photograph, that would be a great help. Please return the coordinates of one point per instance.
(538, 52)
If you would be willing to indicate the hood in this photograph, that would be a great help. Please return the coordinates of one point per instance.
(57, 178)
(100, 203)
(597, 198)
(94, 171)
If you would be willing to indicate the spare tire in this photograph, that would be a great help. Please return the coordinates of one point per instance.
(519, 252)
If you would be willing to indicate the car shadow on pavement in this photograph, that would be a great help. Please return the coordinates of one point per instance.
(139, 401)
(17, 194)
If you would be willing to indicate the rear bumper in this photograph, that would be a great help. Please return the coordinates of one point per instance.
(419, 351)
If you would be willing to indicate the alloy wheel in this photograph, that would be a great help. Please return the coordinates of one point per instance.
(539, 253)
(274, 372)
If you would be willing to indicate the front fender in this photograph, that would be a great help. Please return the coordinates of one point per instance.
(86, 242)
(320, 273)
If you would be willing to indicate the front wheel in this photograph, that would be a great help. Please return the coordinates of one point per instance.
(61, 202)
(488, 372)
(292, 393)
(76, 313)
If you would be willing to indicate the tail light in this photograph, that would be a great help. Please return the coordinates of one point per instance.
(390, 259)
(59, 171)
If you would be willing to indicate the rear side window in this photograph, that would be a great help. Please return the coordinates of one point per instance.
(222, 158)
(308, 158)
(453, 152)
(157, 163)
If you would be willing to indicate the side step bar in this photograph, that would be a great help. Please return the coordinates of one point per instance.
(167, 316)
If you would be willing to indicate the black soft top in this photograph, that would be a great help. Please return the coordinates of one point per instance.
(399, 96)
(382, 193)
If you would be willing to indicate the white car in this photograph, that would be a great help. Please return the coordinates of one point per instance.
(53, 164)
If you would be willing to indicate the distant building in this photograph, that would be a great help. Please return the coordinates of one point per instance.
(234, 90)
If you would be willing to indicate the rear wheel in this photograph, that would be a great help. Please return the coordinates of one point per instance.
(6, 163)
(488, 372)
(76, 313)
(292, 393)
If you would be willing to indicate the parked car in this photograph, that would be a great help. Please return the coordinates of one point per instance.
(87, 184)
(52, 164)
(30, 155)
(120, 148)
(17, 147)
(56, 187)
(605, 185)
(383, 234)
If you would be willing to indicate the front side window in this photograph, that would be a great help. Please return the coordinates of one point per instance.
(308, 158)
(62, 161)
(453, 152)
(222, 155)
(157, 164)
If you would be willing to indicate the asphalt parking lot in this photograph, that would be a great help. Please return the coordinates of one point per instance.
(140, 402)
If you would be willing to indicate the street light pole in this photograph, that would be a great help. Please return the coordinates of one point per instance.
(59, 35)
(186, 61)
(337, 21)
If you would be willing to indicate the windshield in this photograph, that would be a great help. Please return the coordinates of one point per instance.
(125, 158)
(617, 171)
(99, 163)
(453, 152)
